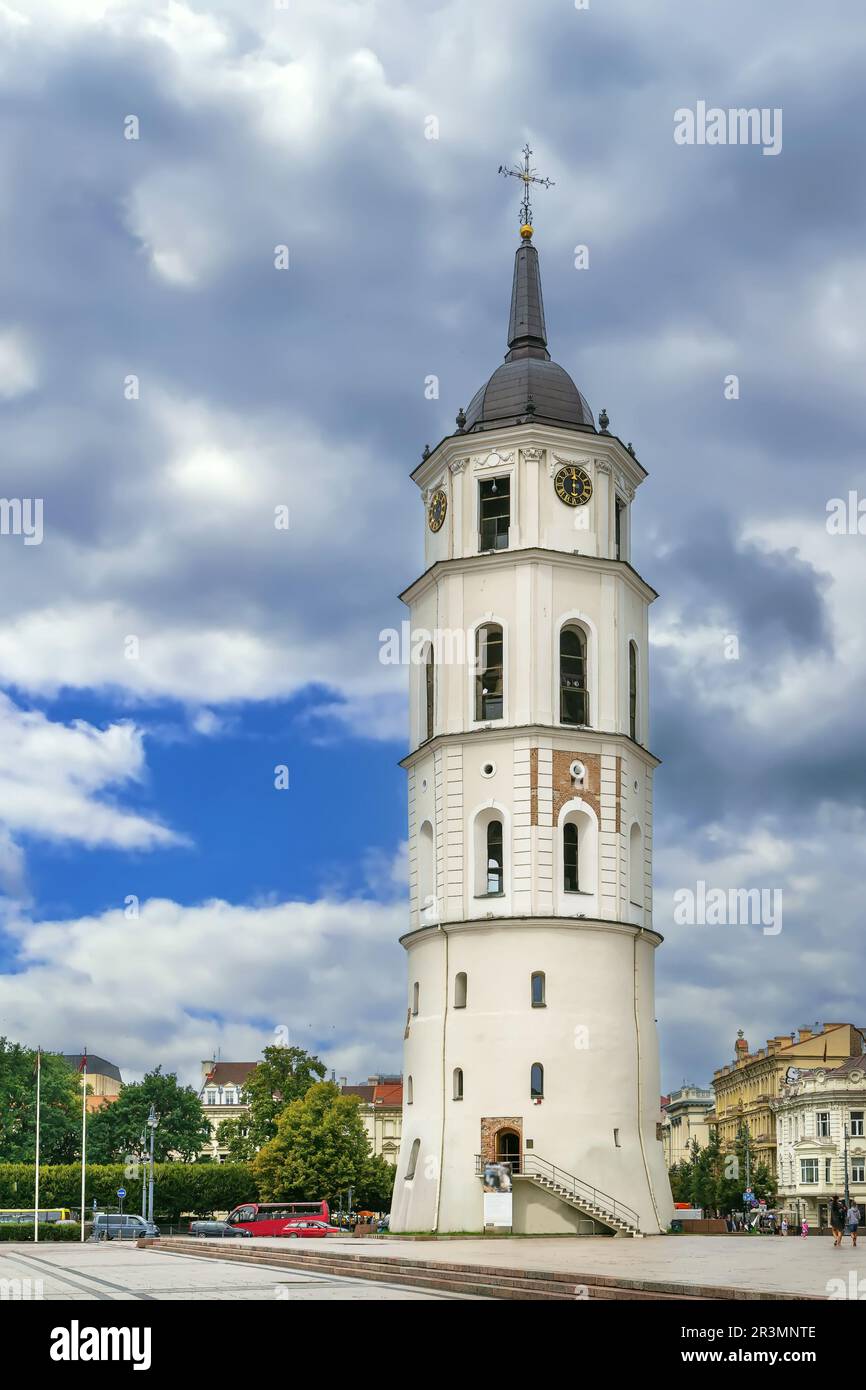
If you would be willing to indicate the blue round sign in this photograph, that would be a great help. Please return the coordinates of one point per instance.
(121, 1192)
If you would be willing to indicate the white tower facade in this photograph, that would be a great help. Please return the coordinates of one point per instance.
(530, 1030)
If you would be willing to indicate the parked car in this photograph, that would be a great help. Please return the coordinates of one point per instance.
(305, 1227)
(113, 1226)
(216, 1228)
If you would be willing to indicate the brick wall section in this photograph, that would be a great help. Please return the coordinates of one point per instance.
(491, 1126)
(563, 783)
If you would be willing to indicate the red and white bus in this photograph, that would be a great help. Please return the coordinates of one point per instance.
(275, 1218)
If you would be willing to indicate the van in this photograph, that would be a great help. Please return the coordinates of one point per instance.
(113, 1226)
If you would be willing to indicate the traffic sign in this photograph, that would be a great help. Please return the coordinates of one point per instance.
(121, 1192)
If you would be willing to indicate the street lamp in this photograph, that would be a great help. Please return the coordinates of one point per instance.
(143, 1145)
(152, 1122)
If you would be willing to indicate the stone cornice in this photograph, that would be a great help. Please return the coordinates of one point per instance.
(411, 938)
(534, 554)
(607, 449)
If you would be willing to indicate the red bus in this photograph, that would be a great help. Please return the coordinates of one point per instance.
(272, 1218)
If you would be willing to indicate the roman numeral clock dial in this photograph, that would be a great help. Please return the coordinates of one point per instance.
(573, 486)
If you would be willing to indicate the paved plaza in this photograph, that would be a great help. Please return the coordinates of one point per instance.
(123, 1273)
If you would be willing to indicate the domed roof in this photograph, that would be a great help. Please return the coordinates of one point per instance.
(528, 385)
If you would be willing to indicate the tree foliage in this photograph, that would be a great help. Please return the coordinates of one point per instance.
(119, 1131)
(195, 1189)
(60, 1117)
(715, 1180)
(320, 1150)
(285, 1074)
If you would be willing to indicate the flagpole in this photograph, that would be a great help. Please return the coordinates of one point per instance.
(83, 1137)
(38, 1102)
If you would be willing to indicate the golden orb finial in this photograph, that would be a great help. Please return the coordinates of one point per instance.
(526, 231)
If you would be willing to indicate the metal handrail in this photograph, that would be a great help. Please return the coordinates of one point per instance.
(533, 1165)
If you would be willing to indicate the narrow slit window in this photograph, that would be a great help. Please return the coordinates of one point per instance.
(632, 690)
(570, 857)
(458, 1083)
(494, 857)
(536, 1081)
(489, 682)
(537, 990)
(573, 695)
(460, 990)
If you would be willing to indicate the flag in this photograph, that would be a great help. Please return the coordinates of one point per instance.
(82, 1065)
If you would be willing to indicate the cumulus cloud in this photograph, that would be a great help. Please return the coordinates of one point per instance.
(212, 975)
(58, 783)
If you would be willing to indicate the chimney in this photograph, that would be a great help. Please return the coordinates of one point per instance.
(741, 1047)
(805, 1033)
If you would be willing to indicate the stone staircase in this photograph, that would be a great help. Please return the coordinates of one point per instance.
(599, 1206)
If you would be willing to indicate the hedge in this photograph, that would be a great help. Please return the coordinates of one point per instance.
(179, 1189)
(48, 1230)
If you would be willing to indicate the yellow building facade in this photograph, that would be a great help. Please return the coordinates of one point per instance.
(746, 1088)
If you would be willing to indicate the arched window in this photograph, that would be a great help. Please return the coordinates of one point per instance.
(429, 691)
(536, 1081)
(488, 672)
(460, 990)
(495, 875)
(632, 690)
(537, 989)
(426, 873)
(458, 1083)
(413, 1160)
(410, 1090)
(416, 995)
(573, 694)
(570, 857)
(635, 865)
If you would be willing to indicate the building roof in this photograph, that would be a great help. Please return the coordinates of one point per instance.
(850, 1064)
(96, 1066)
(388, 1093)
(364, 1093)
(528, 385)
(229, 1073)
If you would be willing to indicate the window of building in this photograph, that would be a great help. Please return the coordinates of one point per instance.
(619, 510)
(822, 1124)
(410, 1090)
(413, 1160)
(858, 1169)
(632, 690)
(828, 1170)
(537, 990)
(416, 995)
(429, 690)
(211, 1097)
(426, 872)
(570, 858)
(573, 693)
(856, 1124)
(536, 1081)
(489, 680)
(460, 990)
(494, 508)
(808, 1170)
(458, 1083)
(495, 865)
(635, 866)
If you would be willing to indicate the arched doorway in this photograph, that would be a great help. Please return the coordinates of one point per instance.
(508, 1148)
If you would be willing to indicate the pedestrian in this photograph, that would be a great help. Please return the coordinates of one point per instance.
(837, 1221)
(784, 1225)
(852, 1221)
(804, 1228)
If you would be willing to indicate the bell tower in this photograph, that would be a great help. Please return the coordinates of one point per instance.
(530, 1028)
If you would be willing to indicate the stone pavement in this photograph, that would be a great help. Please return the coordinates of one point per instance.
(772, 1264)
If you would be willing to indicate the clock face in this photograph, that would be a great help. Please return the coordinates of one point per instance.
(573, 486)
(436, 510)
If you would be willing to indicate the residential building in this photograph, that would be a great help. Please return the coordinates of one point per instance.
(746, 1087)
(812, 1112)
(381, 1107)
(684, 1119)
(221, 1098)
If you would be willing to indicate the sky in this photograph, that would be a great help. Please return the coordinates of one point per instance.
(169, 387)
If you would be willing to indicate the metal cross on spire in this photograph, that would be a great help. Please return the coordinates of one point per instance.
(528, 175)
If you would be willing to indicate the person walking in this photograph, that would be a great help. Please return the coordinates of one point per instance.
(804, 1228)
(837, 1220)
(784, 1225)
(852, 1221)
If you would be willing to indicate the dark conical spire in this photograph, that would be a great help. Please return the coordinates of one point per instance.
(527, 335)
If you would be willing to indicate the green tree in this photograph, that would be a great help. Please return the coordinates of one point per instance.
(285, 1074)
(321, 1149)
(60, 1110)
(116, 1132)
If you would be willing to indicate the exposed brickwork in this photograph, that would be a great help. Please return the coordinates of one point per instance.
(563, 784)
(490, 1127)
